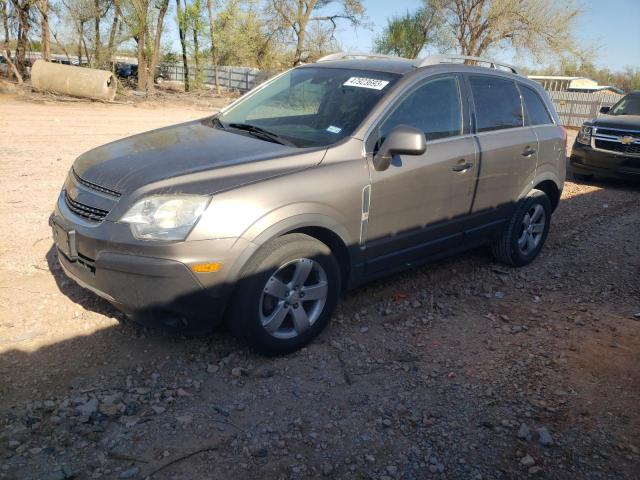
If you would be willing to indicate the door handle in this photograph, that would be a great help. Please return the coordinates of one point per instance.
(462, 166)
(528, 151)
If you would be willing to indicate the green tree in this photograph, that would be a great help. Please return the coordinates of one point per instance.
(407, 35)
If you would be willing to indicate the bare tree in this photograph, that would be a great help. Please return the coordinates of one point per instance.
(113, 31)
(181, 18)
(81, 12)
(43, 8)
(139, 18)
(4, 4)
(214, 55)
(23, 12)
(296, 15)
(155, 53)
(528, 26)
(196, 23)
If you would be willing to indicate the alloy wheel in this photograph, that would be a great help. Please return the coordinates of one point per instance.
(293, 298)
(532, 229)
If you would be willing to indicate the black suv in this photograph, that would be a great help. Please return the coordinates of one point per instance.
(609, 145)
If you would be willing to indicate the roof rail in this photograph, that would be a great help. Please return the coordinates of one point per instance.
(439, 59)
(347, 55)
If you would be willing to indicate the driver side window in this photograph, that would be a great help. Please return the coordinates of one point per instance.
(434, 108)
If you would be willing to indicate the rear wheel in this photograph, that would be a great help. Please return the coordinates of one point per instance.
(526, 232)
(286, 296)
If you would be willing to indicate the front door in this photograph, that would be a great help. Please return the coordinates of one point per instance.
(418, 204)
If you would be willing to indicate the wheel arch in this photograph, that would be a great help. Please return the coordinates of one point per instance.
(323, 229)
(547, 182)
(552, 191)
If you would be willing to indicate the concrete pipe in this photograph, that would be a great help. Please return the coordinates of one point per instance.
(73, 81)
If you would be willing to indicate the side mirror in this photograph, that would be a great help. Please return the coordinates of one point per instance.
(402, 140)
(605, 109)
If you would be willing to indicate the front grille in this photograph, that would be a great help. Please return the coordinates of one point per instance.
(94, 186)
(90, 213)
(631, 149)
(616, 132)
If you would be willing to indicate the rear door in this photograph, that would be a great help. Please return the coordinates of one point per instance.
(551, 141)
(419, 203)
(508, 149)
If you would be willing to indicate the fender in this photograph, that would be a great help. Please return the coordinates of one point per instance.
(539, 178)
(259, 237)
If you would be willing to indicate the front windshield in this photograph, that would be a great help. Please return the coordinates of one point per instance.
(629, 105)
(310, 106)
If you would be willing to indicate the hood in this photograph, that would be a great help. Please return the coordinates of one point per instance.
(625, 122)
(187, 156)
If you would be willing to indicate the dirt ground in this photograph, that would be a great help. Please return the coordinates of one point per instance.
(462, 369)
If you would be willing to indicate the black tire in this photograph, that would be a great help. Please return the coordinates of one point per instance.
(245, 313)
(506, 249)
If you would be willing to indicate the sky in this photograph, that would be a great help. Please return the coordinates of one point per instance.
(613, 26)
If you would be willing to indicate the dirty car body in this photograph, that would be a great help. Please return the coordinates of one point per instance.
(317, 181)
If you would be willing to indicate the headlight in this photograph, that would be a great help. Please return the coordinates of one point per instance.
(584, 136)
(165, 217)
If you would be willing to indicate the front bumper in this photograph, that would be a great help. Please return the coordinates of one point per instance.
(152, 282)
(587, 160)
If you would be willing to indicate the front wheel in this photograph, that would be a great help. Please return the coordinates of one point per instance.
(286, 295)
(524, 236)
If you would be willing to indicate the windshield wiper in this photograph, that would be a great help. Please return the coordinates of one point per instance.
(260, 133)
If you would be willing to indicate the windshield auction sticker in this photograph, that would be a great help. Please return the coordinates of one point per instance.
(363, 82)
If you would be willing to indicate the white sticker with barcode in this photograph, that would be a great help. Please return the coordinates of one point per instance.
(363, 82)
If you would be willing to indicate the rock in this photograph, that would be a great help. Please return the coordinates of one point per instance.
(534, 470)
(544, 437)
(88, 408)
(62, 473)
(261, 452)
(13, 444)
(266, 372)
(184, 419)
(327, 469)
(527, 461)
(183, 393)
(392, 470)
(109, 409)
(158, 409)
(364, 329)
(212, 368)
(523, 432)
(129, 473)
(236, 372)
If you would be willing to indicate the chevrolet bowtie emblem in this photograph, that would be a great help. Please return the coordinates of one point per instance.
(626, 140)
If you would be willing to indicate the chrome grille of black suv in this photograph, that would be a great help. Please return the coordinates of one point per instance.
(94, 186)
(90, 213)
(632, 149)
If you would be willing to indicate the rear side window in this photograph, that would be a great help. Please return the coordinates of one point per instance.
(433, 108)
(537, 114)
(497, 103)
